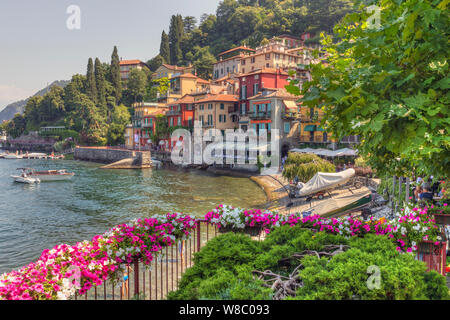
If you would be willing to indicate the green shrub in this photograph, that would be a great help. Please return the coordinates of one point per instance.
(305, 166)
(345, 276)
(223, 269)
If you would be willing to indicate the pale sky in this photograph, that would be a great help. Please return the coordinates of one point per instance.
(36, 46)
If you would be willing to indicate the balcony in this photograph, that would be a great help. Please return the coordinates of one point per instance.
(292, 116)
(314, 139)
(260, 115)
(173, 113)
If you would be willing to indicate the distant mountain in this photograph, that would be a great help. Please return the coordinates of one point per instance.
(19, 106)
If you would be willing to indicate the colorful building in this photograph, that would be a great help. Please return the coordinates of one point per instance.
(127, 65)
(144, 123)
(229, 62)
(169, 71)
(250, 84)
(274, 55)
(218, 111)
(276, 109)
(182, 85)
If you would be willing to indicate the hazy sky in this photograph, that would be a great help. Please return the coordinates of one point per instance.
(36, 47)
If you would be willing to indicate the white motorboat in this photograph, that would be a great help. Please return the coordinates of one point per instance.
(23, 178)
(13, 156)
(48, 175)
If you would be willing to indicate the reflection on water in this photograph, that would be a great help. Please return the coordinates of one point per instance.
(40, 216)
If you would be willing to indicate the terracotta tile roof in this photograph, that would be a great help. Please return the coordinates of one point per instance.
(277, 93)
(185, 99)
(219, 98)
(265, 70)
(130, 62)
(234, 49)
(171, 67)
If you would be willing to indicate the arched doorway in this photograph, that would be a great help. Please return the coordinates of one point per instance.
(284, 150)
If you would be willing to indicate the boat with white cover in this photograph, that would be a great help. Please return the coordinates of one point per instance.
(323, 181)
(48, 175)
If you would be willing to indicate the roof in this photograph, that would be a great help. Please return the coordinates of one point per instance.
(185, 99)
(264, 70)
(171, 67)
(219, 98)
(130, 62)
(277, 93)
(234, 49)
(156, 112)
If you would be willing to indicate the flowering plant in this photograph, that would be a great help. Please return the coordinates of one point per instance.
(410, 228)
(64, 270)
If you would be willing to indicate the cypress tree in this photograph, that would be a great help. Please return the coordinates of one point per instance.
(176, 32)
(164, 50)
(115, 75)
(100, 84)
(91, 88)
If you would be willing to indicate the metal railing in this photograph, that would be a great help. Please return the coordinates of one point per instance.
(155, 281)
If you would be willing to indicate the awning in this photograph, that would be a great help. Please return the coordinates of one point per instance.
(310, 127)
(290, 104)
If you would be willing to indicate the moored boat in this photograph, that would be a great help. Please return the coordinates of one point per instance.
(49, 175)
(13, 156)
(24, 178)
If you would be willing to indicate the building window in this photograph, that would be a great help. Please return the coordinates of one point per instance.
(179, 121)
(244, 92)
(222, 106)
(243, 62)
(255, 88)
(202, 120)
(210, 119)
(267, 65)
(287, 127)
(253, 59)
(210, 106)
(267, 56)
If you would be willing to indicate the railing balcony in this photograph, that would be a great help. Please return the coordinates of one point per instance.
(314, 139)
(260, 115)
(173, 113)
(292, 115)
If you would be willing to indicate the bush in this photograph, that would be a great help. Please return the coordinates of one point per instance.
(223, 269)
(305, 166)
(346, 275)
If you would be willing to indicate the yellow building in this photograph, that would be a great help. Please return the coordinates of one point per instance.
(169, 71)
(182, 85)
(311, 130)
(217, 111)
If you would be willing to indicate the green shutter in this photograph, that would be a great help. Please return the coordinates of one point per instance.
(310, 128)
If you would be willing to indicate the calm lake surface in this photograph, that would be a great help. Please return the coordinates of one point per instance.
(36, 217)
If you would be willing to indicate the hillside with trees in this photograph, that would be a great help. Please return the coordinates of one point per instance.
(90, 105)
(243, 22)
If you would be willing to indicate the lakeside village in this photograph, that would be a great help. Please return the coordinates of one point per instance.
(321, 195)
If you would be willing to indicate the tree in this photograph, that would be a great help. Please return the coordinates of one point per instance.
(389, 85)
(203, 62)
(120, 118)
(91, 87)
(189, 23)
(305, 166)
(115, 75)
(176, 32)
(164, 50)
(100, 84)
(86, 120)
(52, 106)
(137, 82)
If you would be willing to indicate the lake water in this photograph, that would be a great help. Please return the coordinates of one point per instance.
(36, 217)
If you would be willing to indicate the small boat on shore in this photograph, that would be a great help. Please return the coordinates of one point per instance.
(48, 175)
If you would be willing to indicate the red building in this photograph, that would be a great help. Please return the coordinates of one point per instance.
(253, 82)
(181, 112)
